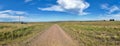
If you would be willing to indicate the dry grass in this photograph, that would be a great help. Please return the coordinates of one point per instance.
(86, 33)
(11, 33)
(94, 33)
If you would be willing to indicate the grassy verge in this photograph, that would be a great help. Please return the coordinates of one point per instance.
(19, 33)
(94, 33)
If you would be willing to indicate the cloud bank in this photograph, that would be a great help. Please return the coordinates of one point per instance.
(110, 9)
(74, 6)
(113, 12)
(11, 14)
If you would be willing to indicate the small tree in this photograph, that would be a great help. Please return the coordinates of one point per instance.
(112, 20)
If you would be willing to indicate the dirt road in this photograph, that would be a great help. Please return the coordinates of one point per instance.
(54, 36)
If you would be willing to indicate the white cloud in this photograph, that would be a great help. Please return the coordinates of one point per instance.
(10, 14)
(104, 6)
(110, 9)
(13, 12)
(69, 6)
(111, 12)
(113, 9)
(27, 1)
(53, 8)
(110, 16)
(116, 16)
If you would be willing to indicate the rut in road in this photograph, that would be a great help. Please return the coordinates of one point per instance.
(54, 36)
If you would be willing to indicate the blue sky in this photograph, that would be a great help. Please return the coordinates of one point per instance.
(59, 10)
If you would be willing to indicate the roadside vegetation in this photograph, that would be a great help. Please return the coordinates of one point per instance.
(11, 33)
(94, 33)
(85, 33)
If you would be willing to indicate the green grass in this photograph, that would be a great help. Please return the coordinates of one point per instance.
(94, 33)
(20, 33)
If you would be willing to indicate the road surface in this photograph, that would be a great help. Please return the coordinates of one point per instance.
(54, 36)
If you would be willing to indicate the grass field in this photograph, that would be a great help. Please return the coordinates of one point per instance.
(94, 33)
(14, 33)
(85, 33)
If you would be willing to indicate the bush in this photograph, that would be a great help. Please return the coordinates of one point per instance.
(112, 20)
